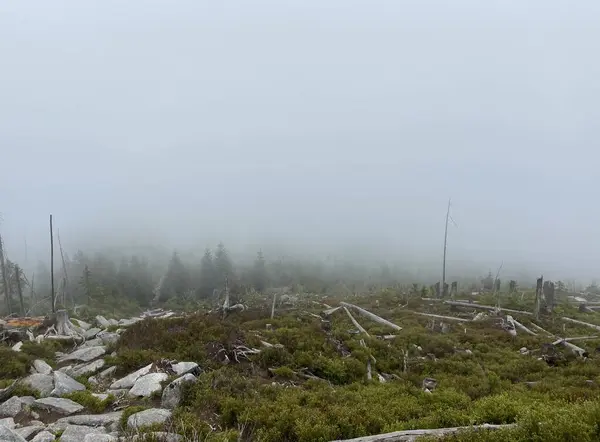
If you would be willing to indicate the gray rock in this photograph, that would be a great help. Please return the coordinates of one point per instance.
(128, 322)
(82, 324)
(89, 420)
(27, 400)
(64, 384)
(43, 383)
(113, 322)
(78, 433)
(66, 369)
(86, 369)
(100, 438)
(129, 380)
(108, 338)
(118, 392)
(59, 405)
(100, 396)
(91, 333)
(84, 354)
(7, 422)
(38, 423)
(148, 417)
(42, 367)
(148, 384)
(29, 431)
(8, 435)
(161, 436)
(102, 321)
(44, 436)
(92, 342)
(182, 368)
(12, 407)
(171, 396)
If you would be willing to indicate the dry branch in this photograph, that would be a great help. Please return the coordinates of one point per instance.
(431, 315)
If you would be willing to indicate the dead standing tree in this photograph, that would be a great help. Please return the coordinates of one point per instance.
(5, 284)
(52, 293)
(539, 294)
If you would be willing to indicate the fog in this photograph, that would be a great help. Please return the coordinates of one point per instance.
(305, 127)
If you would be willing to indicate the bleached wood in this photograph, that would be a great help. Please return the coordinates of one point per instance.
(371, 316)
(412, 435)
(575, 321)
(355, 322)
(486, 307)
(431, 315)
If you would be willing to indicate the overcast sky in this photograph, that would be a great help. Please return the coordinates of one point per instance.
(331, 122)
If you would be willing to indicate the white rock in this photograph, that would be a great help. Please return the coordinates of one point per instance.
(129, 380)
(44, 436)
(8, 435)
(148, 384)
(100, 396)
(171, 396)
(17, 346)
(59, 405)
(182, 368)
(86, 369)
(79, 433)
(42, 366)
(148, 417)
(43, 383)
(64, 384)
(84, 354)
(12, 407)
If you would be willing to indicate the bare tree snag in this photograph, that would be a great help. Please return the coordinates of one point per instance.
(19, 288)
(539, 293)
(53, 293)
(371, 316)
(273, 305)
(5, 285)
(355, 322)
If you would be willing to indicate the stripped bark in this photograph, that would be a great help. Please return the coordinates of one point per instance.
(486, 307)
(371, 316)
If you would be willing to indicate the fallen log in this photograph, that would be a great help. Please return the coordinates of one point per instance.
(486, 307)
(371, 316)
(355, 322)
(412, 435)
(575, 349)
(431, 315)
(519, 325)
(575, 321)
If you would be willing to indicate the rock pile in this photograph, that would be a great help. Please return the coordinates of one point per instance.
(53, 416)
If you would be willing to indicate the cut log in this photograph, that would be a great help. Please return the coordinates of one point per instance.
(413, 435)
(587, 324)
(355, 322)
(371, 316)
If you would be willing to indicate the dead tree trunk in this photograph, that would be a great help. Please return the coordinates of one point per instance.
(539, 293)
(19, 288)
(5, 285)
(371, 316)
(52, 292)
